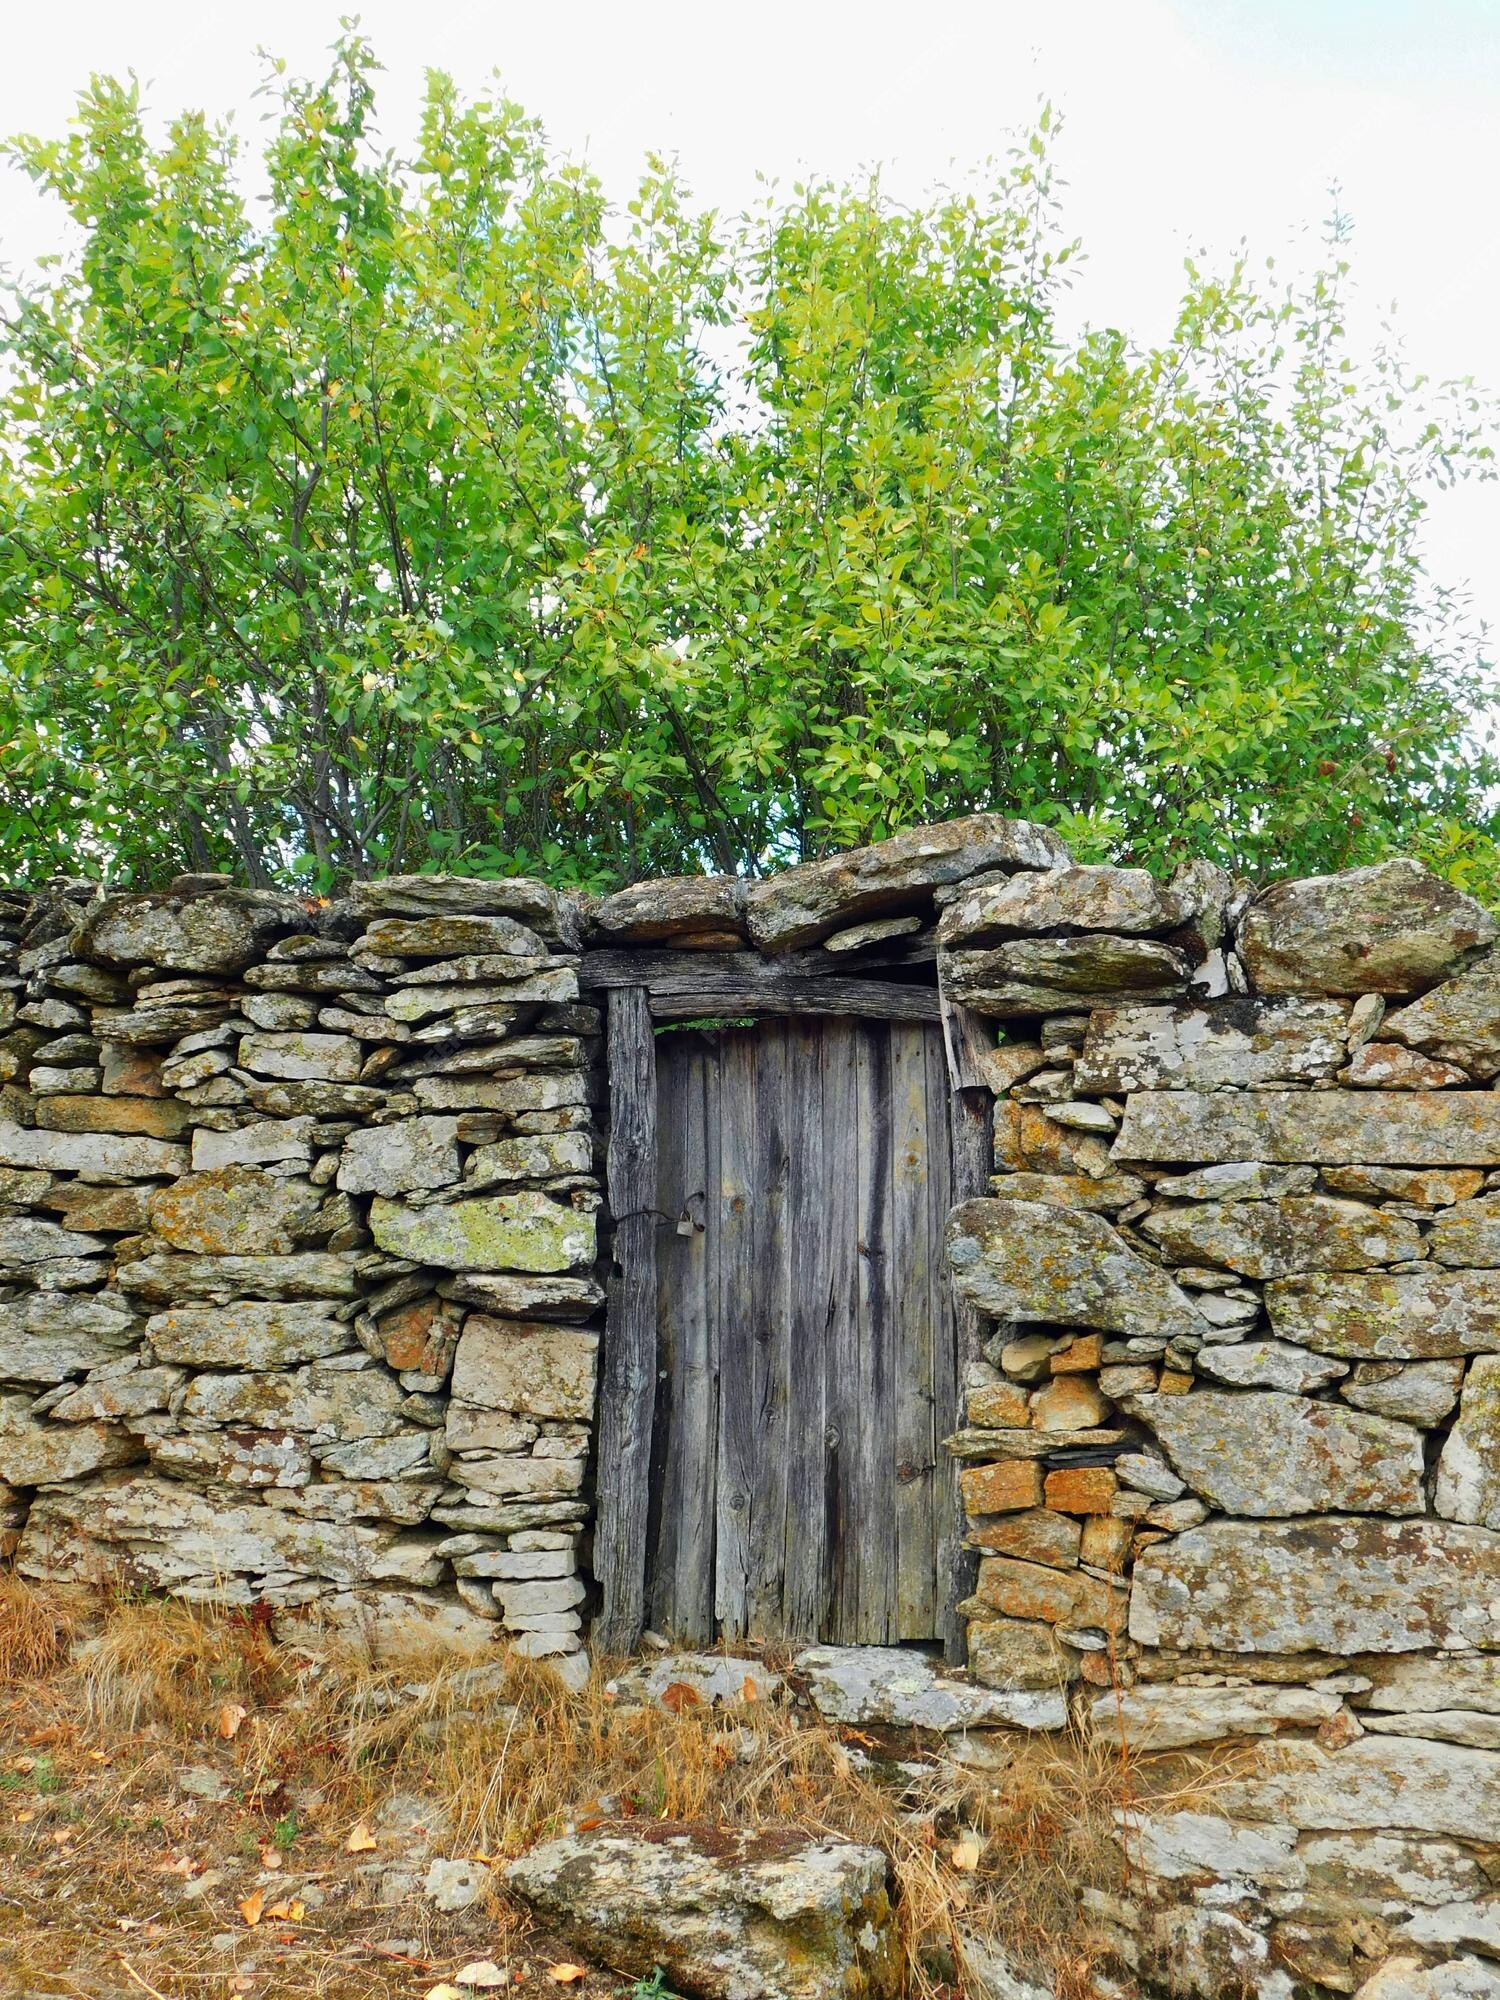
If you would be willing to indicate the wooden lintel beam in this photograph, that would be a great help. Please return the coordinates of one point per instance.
(874, 999)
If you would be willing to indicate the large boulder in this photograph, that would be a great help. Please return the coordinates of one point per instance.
(725, 1915)
(803, 905)
(1395, 928)
(1025, 1260)
(223, 932)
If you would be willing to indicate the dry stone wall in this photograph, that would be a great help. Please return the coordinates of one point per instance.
(1231, 1462)
(298, 1299)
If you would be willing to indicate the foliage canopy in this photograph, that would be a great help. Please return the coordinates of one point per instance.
(433, 513)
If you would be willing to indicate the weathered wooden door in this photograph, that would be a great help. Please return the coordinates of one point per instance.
(806, 1349)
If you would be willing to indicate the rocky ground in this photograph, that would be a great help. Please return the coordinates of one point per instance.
(195, 1806)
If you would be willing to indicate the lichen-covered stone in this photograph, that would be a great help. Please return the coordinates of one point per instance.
(1071, 1190)
(1047, 1596)
(1027, 1141)
(540, 1156)
(1237, 1180)
(1020, 1653)
(1377, 1782)
(525, 1231)
(108, 1153)
(234, 1212)
(173, 1278)
(1467, 1487)
(27, 1239)
(143, 1117)
(1209, 1045)
(1456, 1022)
(259, 1144)
(328, 1404)
(302, 1058)
(534, 1296)
(36, 1453)
(1264, 1453)
(529, 1367)
(256, 1335)
(222, 933)
(1445, 1128)
(675, 906)
(451, 936)
(546, 910)
(1075, 898)
(160, 1534)
(1426, 1187)
(1395, 928)
(1468, 1234)
(1045, 975)
(1270, 1239)
(1419, 1392)
(1271, 1364)
(1170, 1717)
(1388, 1066)
(1027, 1261)
(723, 1914)
(1334, 1584)
(400, 1158)
(47, 1336)
(1389, 1315)
(802, 905)
(894, 1688)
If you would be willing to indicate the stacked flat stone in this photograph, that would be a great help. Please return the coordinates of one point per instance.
(1233, 1455)
(297, 1251)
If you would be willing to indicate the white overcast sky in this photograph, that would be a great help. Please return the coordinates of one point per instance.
(1191, 124)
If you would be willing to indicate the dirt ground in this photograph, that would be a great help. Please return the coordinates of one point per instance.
(195, 1806)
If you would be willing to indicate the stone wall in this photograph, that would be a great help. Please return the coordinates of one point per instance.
(1232, 1460)
(297, 1252)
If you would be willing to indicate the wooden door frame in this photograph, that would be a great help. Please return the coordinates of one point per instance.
(642, 988)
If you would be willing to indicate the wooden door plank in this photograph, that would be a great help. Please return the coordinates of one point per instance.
(947, 1511)
(914, 1333)
(628, 1389)
(773, 1081)
(682, 1597)
(841, 1358)
(874, 1475)
(736, 1321)
(811, 1312)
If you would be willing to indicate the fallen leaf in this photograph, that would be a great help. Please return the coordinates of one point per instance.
(565, 1974)
(360, 1840)
(748, 1690)
(442, 1991)
(288, 1911)
(966, 1852)
(252, 1907)
(481, 1972)
(675, 1697)
(269, 1858)
(23, 1817)
(127, 1923)
(227, 1722)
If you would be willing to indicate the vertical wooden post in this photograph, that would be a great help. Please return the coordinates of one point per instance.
(628, 1388)
(971, 1127)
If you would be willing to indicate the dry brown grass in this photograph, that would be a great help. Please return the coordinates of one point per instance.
(33, 1633)
(513, 1758)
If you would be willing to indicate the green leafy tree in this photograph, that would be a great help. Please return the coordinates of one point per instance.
(434, 513)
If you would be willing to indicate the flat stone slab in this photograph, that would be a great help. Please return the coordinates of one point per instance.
(223, 932)
(526, 1231)
(1265, 1453)
(774, 1915)
(674, 906)
(1392, 928)
(261, 1335)
(1168, 1717)
(1336, 1584)
(802, 905)
(713, 1680)
(530, 1367)
(1389, 1315)
(905, 1690)
(1048, 975)
(1376, 1783)
(1271, 1239)
(1399, 1128)
(1467, 1487)
(1458, 1021)
(1197, 1047)
(1079, 898)
(1027, 1260)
